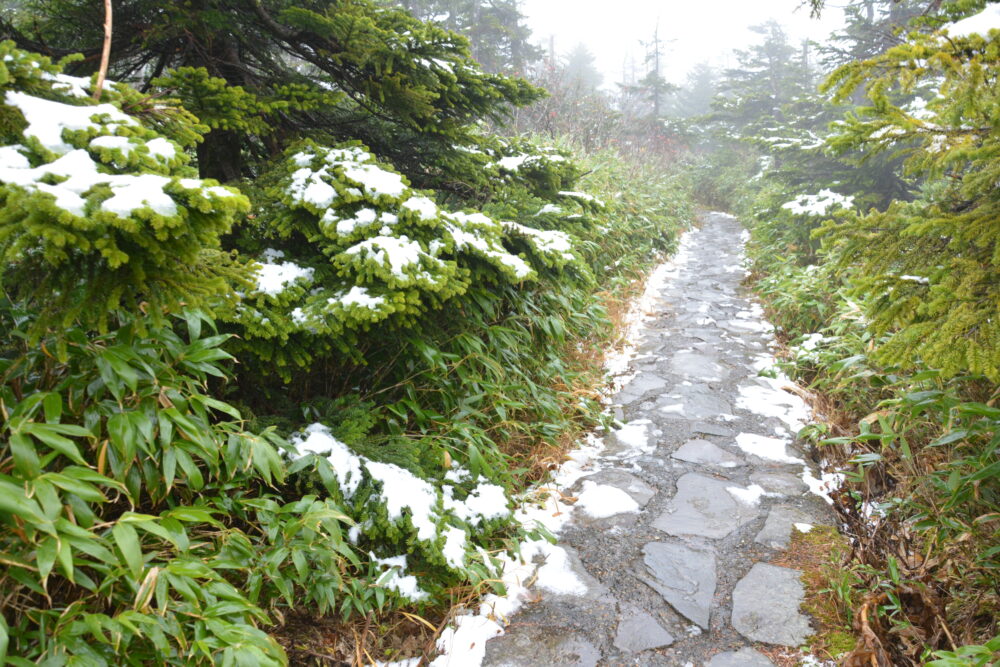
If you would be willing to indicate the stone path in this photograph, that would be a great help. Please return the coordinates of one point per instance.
(677, 572)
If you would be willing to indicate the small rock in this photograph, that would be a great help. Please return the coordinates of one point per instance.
(639, 631)
(711, 429)
(766, 606)
(685, 577)
(780, 482)
(704, 452)
(777, 530)
(745, 657)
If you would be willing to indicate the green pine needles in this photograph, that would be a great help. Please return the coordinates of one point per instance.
(357, 246)
(97, 209)
(929, 268)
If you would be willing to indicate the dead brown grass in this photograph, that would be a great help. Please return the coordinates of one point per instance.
(402, 634)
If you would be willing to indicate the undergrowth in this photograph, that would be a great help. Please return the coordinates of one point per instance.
(919, 448)
(194, 477)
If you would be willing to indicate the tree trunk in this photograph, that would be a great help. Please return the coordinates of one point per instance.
(105, 51)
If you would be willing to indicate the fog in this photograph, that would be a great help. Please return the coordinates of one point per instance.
(693, 32)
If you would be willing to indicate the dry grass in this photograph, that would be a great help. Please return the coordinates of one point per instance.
(398, 635)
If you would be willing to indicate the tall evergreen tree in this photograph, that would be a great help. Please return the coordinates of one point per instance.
(495, 29)
(770, 75)
(579, 70)
(263, 74)
(694, 98)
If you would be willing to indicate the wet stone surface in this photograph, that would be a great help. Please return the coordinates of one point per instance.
(766, 606)
(745, 657)
(703, 507)
(777, 530)
(685, 577)
(706, 453)
(639, 631)
(682, 578)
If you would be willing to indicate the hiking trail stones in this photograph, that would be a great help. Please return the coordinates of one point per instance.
(698, 486)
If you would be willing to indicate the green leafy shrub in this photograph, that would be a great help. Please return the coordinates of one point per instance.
(126, 503)
(98, 209)
(358, 247)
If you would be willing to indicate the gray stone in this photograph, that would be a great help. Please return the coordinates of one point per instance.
(780, 482)
(639, 631)
(640, 492)
(704, 452)
(685, 577)
(712, 429)
(745, 657)
(595, 589)
(532, 646)
(777, 530)
(645, 383)
(707, 335)
(639, 386)
(766, 606)
(696, 366)
(651, 347)
(703, 508)
(696, 401)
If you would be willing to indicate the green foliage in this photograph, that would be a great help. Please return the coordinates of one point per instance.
(927, 268)
(986, 655)
(266, 74)
(123, 501)
(375, 251)
(97, 210)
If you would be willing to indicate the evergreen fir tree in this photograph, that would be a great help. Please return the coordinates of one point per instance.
(268, 72)
(928, 268)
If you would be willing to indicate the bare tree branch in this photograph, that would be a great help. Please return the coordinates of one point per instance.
(105, 51)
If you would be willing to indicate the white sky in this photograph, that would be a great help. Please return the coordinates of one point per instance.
(696, 30)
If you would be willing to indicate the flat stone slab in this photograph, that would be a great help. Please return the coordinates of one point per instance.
(631, 438)
(712, 429)
(639, 631)
(784, 483)
(696, 366)
(561, 561)
(696, 401)
(533, 646)
(745, 657)
(777, 530)
(639, 386)
(704, 452)
(640, 492)
(703, 508)
(766, 606)
(685, 577)
(707, 335)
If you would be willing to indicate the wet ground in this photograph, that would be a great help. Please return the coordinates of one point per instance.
(700, 487)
